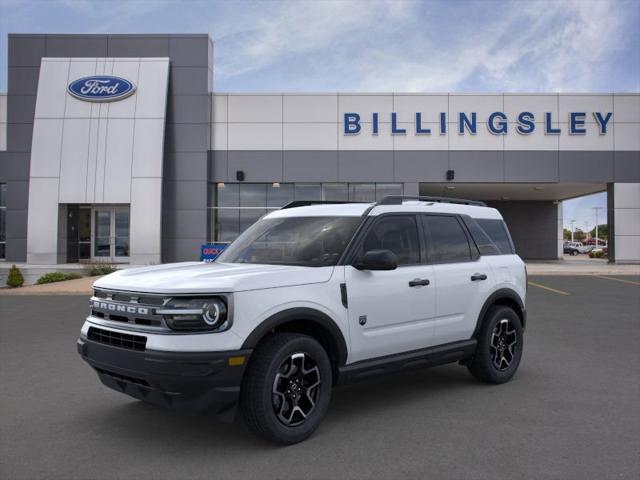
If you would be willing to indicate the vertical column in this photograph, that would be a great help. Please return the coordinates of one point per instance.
(186, 148)
(624, 222)
(560, 237)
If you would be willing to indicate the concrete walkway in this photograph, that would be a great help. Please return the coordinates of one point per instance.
(580, 265)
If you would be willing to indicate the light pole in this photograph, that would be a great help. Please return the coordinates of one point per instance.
(596, 209)
(572, 222)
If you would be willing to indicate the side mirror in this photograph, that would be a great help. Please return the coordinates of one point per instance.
(377, 260)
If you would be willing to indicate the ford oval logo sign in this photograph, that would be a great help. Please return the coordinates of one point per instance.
(101, 88)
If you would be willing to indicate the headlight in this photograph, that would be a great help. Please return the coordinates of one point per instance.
(196, 314)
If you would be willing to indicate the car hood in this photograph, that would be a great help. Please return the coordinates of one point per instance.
(199, 277)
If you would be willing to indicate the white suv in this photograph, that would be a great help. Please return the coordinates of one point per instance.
(310, 296)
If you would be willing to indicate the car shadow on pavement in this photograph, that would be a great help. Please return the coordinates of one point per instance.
(135, 421)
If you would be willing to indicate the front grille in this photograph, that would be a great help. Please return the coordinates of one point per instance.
(131, 308)
(117, 339)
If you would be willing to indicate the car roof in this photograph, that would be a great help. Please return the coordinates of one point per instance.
(372, 209)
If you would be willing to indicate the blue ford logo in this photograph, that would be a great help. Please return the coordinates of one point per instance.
(103, 88)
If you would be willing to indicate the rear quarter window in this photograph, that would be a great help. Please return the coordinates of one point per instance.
(497, 231)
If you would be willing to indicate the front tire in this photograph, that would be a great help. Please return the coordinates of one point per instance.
(499, 349)
(287, 388)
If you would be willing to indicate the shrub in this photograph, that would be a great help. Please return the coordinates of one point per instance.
(596, 254)
(15, 278)
(100, 269)
(52, 277)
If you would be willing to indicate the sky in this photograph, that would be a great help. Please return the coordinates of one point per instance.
(376, 45)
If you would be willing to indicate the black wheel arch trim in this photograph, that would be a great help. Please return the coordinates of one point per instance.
(301, 314)
(496, 298)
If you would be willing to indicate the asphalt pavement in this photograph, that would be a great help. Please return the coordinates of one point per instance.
(571, 412)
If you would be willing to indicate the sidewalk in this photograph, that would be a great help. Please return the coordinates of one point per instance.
(580, 265)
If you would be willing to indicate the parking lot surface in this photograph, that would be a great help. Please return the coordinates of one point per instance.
(572, 411)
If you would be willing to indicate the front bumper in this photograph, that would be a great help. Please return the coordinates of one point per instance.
(192, 380)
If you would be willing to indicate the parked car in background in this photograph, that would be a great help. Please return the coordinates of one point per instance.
(573, 248)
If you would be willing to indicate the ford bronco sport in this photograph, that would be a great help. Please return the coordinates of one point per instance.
(311, 296)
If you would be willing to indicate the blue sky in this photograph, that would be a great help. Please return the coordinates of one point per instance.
(371, 45)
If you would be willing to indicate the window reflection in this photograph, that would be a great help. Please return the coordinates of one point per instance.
(234, 207)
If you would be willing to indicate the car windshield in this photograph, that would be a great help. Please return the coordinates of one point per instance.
(303, 241)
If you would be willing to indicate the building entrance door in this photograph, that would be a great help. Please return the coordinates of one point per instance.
(110, 234)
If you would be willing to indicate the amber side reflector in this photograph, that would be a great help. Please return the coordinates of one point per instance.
(236, 361)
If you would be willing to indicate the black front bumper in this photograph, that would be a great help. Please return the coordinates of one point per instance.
(192, 380)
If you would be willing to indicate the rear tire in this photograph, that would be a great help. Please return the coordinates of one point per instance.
(499, 349)
(287, 388)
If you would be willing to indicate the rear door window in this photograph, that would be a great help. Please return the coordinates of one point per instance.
(448, 241)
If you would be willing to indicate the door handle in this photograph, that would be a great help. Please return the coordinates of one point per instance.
(419, 282)
(478, 276)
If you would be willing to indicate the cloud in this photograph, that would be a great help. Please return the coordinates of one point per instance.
(410, 46)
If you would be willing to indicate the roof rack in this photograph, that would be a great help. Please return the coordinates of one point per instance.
(307, 203)
(398, 199)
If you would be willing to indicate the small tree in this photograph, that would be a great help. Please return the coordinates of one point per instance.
(15, 278)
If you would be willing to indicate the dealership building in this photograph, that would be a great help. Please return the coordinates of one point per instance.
(117, 148)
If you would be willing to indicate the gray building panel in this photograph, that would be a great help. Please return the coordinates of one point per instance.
(14, 167)
(626, 166)
(138, 46)
(189, 50)
(218, 166)
(477, 166)
(187, 137)
(76, 46)
(257, 165)
(22, 108)
(181, 249)
(310, 166)
(188, 109)
(428, 166)
(586, 166)
(531, 166)
(184, 223)
(23, 80)
(184, 166)
(188, 80)
(17, 196)
(16, 249)
(365, 166)
(26, 50)
(16, 223)
(19, 138)
(185, 195)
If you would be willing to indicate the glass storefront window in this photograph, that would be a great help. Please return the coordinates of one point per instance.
(386, 189)
(335, 192)
(308, 191)
(279, 194)
(362, 192)
(234, 207)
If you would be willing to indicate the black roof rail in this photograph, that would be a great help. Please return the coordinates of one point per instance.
(398, 199)
(307, 203)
